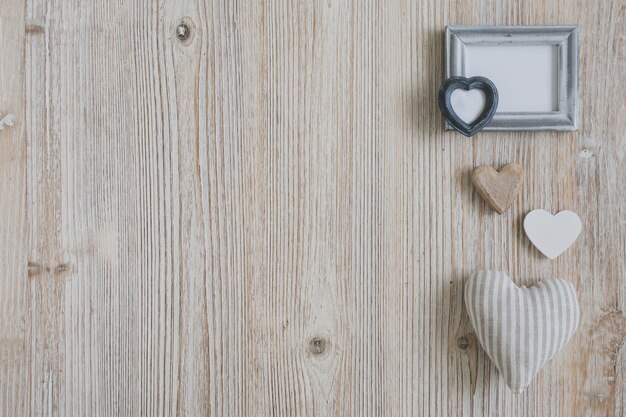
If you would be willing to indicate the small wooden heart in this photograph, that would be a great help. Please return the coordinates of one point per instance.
(498, 188)
(489, 110)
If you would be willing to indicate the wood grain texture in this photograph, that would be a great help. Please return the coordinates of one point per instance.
(269, 219)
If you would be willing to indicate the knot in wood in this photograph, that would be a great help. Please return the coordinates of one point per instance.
(318, 345)
(182, 31)
(462, 342)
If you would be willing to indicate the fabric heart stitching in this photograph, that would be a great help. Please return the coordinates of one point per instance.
(520, 328)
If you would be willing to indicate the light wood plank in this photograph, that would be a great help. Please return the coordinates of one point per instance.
(268, 218)
(15, 334)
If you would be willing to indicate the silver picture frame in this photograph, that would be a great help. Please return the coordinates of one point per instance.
(565, 38)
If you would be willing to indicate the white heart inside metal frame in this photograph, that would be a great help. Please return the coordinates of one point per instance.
(468, 104)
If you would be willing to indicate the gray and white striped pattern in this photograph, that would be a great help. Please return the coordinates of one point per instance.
(520, 328)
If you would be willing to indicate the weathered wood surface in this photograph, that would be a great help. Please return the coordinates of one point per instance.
(268, 219)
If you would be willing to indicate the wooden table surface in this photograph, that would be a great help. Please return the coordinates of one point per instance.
(268, 219)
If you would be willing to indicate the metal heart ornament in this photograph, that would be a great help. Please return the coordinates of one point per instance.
(521, 329)
(474, 83)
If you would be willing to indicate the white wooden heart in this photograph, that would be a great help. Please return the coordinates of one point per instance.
(552, 235)
(520, 329)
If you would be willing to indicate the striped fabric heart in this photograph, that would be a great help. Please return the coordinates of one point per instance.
(520, 328)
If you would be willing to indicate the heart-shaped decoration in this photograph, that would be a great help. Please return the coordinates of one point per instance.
(520, 329)
(552, 235)
(488, 111)
(498, 188)
(468, 104)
